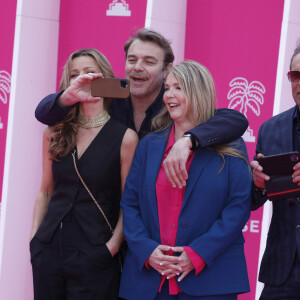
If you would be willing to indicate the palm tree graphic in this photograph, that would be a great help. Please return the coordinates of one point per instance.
(5, 81)
(244, 96)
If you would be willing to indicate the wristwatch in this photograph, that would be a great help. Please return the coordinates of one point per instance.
(193, 140)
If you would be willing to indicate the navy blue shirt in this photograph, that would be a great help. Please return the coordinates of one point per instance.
(122, 111)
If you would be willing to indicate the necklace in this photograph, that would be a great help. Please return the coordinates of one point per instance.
(91, 122)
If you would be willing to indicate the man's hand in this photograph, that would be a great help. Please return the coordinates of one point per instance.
(175, 162)
(296, 174)
(79, 90)
(164, 264)
(258, 176)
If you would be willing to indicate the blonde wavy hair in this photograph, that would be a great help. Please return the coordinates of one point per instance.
(63, 133)
(198, 88)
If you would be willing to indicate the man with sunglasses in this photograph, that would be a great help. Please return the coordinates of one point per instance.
(280, 266)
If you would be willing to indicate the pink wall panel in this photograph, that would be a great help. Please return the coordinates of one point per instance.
(85, 24)
(238, 41)
(7, 30)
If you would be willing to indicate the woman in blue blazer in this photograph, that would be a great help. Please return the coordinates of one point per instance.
(205, 256)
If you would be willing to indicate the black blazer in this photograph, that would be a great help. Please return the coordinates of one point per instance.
(276, 136)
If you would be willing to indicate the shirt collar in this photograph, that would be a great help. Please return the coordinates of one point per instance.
(156, 105)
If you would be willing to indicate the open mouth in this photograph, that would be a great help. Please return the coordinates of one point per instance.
(172, 105)
(138, 79)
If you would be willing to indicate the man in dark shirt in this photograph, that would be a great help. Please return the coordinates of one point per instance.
(280, 266)
(148, 58)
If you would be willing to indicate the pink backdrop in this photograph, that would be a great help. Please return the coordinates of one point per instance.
(85, 24)
(237, 40)
(239, 43)
(7, 30)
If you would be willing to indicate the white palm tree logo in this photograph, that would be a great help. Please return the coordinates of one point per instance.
(5, 81)
(244, 96)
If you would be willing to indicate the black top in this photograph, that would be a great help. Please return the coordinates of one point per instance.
(99, 166)
(121, 110)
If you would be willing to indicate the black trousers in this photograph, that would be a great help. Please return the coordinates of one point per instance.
(70, 268)
(289, 290)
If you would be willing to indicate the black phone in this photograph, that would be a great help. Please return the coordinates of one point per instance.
(110, 87)
(280, 163)
(280, 169)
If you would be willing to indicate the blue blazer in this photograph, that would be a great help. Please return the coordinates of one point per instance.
(215, 209)
(276, 136)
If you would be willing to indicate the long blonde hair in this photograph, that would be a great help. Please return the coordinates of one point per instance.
(198, 88)
(63, 133)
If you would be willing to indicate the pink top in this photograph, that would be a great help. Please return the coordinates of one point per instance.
(169, 203)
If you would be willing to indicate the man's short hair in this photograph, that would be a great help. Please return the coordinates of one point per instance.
(148, 35)
(296, 52)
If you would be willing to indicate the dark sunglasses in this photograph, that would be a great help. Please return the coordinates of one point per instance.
(293, 76)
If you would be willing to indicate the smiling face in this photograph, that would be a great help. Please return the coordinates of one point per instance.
(144, 69)
(295, 66)
(174, 100)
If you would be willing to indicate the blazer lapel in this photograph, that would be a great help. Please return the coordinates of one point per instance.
(287, 135)
(200, 160)
(155, 152)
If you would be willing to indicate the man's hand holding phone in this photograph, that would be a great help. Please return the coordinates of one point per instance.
(259, 177)
(282, 175)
